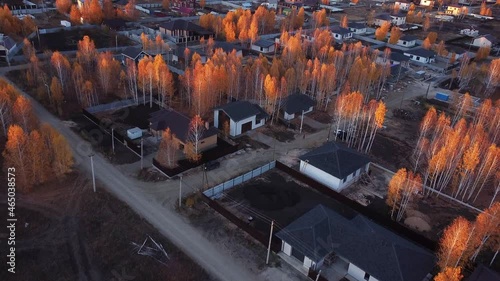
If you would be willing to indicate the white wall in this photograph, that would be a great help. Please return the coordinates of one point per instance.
(289, 116)
(320, 175)
(308, 263)
(358, 273)
(239, 124)
(482, 42)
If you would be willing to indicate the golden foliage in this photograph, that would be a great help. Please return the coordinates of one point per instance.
(449, 274)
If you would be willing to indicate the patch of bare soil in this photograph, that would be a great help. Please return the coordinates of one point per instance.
(280, 133)
(68, 232)
(391, 152)
(320, 116)
(150, 175)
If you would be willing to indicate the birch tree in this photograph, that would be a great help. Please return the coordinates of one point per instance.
(453, 243)
(168, 148)
(193, 138)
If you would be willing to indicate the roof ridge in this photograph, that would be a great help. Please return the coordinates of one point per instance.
(397, 262)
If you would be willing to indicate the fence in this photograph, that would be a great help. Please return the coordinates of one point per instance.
(115, 105)
(215, 192)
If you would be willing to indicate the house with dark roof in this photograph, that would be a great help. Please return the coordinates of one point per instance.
(403, 5)
(483, 273)
(7, 45)
(178, 123)
(421, 55)
(407, 41)
(242, 116)
(485, 41)
(357, 28)
(182, 31)
(395, 58)
(368, 250)
(132, 53)
(340, 33)
(393, 18)
(263, 46)
(296, 105)
(334, 165)
(458, 51)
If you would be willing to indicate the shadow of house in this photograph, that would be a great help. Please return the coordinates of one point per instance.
(483, 273)
(179, 126)
(372, 251)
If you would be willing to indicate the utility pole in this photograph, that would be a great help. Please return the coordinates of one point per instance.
(319, 274)
(269, 245)
(301, 122)
(428, 88)
(92, 167)
(180, 190)
(142, 153)
(113, 139)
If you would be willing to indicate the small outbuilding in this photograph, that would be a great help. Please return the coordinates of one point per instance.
(263, 46)
(485, 41)
(421, 55)
(134, 133)
(407, 41)
(242, 116)
(296, 105)
(334, 165)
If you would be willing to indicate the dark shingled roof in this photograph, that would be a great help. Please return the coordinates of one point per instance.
(132, 52)
(373, 248)
(263, 43)
(7, 42)
(340, 30)
(336, 159)
(421, 52)
(240, 110)
(399, 57)
(177, 122)
(384, 17)
(490, 38)
(356, 25)
(483, 273)
(298, 102)
(180, 24)
(408, 38)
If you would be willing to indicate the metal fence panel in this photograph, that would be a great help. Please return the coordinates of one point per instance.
(247, 176)
(256, 172)
(228, 184)
(265, 168)
(238, 180)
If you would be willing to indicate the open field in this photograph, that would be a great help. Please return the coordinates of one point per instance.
(67, 232)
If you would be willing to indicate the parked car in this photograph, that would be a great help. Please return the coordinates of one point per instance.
(212, 165)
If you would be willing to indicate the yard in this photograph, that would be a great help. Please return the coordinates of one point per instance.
(65, 231)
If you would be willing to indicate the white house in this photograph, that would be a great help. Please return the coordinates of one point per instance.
(455, 10)
(407, 41)
(340, 33)
(469, 32)
(263, 46)
(426, 3)
(403, 5)
(421, 55)
(241, 116)
(296, 105)
(394, 18)
(334, 165)
(182, 31)
(369, 251)
(394, 58)
(357, 28)
(484, 41)
(7, 45)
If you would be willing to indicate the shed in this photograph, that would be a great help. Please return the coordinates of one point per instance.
(134, 133)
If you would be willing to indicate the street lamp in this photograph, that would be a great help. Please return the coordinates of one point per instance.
(92, 167)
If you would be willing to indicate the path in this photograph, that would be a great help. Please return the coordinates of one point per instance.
(169, 223)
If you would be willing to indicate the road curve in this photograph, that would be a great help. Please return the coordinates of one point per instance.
(217, 263)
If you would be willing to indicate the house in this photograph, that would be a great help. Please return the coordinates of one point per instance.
(421, 55)
(407, 41)
(179, 126)
(132, 53)
(459, 52)
(263, 46)
(341, 33)
(182, 31)
(427, 3)
(394, 18)
(242, 117)
(204, 53)
(296, 105)
(394, 58)
(369, 251)
(176, 4)
(485, 41)
(294, 2)
(357, 28)
(334, 165)
(403, 5)
(455, 10)
(7, 46)
(483, 273)
(469, 32)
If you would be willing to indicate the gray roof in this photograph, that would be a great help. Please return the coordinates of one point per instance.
(239, 110)
(457, 50)
(408, 38)
(384, 17)
(336, 159)
(180, 24)
(263, 43)
(356, 25)
(483, 273)
(298, 102)
(340, 30)
(8, 42)
(132, 52)
(373, 248)
(177, 122)
(395, 56)
(490, 38)
(226, 46)
(421, 52)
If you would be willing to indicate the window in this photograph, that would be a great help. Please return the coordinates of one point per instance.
(367, 276)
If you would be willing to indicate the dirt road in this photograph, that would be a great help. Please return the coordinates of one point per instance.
(169, 223)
